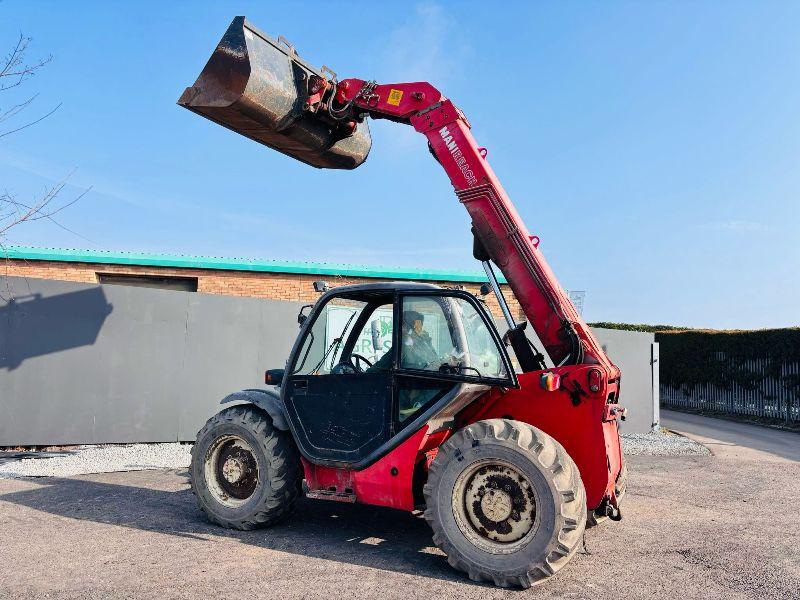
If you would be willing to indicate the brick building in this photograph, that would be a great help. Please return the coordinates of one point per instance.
(276, 280)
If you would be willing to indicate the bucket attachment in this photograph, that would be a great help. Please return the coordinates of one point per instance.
(259, 87)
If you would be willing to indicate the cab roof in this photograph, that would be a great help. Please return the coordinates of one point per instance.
(381, 288)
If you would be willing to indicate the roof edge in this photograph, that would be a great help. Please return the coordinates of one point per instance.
(236, 264)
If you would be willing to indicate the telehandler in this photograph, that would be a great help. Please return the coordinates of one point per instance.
(404, 394)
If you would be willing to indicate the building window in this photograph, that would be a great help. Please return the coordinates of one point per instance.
(161, 282)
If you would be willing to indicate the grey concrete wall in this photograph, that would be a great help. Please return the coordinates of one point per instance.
(631, 352)
(91, 364)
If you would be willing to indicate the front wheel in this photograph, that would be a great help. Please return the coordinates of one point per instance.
(506, 503)
(245, 473)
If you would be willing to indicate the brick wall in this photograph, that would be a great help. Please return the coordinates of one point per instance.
(275, 286)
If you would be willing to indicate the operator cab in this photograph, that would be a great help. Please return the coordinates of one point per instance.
(373, 363)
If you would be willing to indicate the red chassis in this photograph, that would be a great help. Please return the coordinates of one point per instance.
(582, 413)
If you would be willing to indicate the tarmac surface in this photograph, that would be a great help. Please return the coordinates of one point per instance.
(721, 526)
(716, 432)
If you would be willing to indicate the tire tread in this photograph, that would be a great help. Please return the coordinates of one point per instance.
(549, 455)
(284, 471)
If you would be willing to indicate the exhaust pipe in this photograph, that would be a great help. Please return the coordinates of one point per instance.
(258, 87)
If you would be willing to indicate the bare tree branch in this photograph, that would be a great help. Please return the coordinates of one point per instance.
(5, 133)
(17, 108)
(15, 68)
(14, 72)
(43, 208)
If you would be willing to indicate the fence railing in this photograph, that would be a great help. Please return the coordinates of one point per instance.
(768, 394)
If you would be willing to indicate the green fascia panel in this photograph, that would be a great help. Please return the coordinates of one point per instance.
(236, 264)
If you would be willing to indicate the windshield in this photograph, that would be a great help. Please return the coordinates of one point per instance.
(449, 336)
(348, 332)
(324, 343)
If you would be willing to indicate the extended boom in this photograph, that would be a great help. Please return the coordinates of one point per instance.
(496, 224)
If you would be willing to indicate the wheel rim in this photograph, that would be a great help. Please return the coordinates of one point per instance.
(494, 505)
(231, 471)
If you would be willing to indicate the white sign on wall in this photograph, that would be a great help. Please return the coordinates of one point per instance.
(379, 325)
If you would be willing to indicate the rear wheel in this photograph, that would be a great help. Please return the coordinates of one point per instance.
(245, 473)
(506, 503)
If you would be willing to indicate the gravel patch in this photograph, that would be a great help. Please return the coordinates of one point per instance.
(141, 457)
(101, 459)
(661, 443)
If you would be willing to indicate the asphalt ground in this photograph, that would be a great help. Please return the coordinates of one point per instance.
(718, 432)
(721, 526)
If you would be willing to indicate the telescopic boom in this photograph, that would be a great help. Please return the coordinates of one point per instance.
(260, 88)
(500, 233)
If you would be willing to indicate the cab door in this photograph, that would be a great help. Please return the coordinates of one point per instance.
(444, 341)
(337, 396)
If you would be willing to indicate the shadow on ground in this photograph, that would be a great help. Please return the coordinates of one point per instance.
(357, 534)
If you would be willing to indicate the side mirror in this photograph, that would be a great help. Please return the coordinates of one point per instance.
(301, 316)
(273, 376)
(375, 330)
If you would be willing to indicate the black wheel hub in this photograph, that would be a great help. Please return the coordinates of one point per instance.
(236, 471)
(497, 504)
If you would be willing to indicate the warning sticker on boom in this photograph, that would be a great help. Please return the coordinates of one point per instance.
(394, 97)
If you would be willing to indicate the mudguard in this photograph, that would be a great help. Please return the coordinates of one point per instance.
(267, 400)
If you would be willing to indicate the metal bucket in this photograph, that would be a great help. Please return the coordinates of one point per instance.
(257, 87)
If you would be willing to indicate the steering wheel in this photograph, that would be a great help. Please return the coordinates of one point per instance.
(355, 358)
(349, 368)
(343, 368)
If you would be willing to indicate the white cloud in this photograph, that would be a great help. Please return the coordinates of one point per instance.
(427, 46)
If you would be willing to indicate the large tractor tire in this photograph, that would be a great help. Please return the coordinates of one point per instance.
(506, 503)
(245, 473)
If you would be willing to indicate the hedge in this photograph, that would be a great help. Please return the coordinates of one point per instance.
(636, 327)
(723, 358)
(731, 360)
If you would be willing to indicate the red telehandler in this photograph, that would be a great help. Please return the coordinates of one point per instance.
(405, 395)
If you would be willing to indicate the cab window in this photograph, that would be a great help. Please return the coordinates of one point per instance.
(323, 345)
(413, 397)
(348, 336)
(447, 335)
(374, 341)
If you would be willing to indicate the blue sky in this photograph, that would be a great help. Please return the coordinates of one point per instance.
(653, 147)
